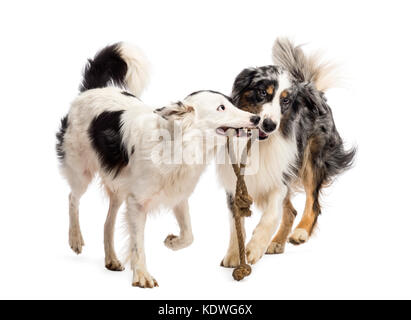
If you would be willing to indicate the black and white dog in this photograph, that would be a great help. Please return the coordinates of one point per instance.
(299, 146)
(110, 132)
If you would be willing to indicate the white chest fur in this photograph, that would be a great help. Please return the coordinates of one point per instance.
(268, 161)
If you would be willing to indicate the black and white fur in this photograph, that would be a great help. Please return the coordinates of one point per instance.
(110, 132)
(297, 134)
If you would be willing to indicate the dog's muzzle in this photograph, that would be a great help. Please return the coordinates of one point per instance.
(268, 126)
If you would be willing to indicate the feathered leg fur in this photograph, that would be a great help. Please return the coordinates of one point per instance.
(277, 246)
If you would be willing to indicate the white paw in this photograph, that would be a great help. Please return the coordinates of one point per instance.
(76, 241)
(143, 279)
(176, 243)
(231, 260)
(276, 248)
(254, 251)
(299, 236)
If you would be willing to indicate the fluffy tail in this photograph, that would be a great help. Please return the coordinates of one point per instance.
(305, 68)
(119, 64)
(343, 160)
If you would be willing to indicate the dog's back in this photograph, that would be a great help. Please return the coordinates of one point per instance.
(90, 135)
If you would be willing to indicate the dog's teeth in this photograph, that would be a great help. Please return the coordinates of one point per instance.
(220, 131)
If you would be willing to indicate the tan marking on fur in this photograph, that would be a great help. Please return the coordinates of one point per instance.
(307, 176)
(284, 94)
(256, 109)
(309, 217)
(261, 199)
(270, 90)
(182, 111)
(289, 213)
(246, 106)
(284, 121)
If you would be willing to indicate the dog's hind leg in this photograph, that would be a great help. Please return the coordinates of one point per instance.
(78, 184)
(112, 262)
(232, 258)
(277, 246)
(313, 178)
(306, 226)
(136, 216)
(181, 212)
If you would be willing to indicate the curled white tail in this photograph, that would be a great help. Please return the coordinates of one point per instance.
(137, 76)
(120, 64)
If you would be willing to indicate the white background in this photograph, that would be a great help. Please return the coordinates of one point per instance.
(361, 249)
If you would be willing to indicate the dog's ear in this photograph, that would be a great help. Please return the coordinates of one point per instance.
(241, 83)
(175, 111)
(314, 99)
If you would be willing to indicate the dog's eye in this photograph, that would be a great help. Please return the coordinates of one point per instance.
(286, 101)
(221, 108)
(262, 93)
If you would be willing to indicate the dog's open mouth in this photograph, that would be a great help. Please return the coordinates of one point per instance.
(236, 132)
(262, 135)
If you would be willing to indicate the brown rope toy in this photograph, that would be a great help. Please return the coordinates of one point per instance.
(241, 207)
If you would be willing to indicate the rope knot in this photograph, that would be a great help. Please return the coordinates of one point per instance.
(241, 209)
(242, 271)
(243, 203)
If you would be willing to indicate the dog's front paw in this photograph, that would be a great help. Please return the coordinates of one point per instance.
(231, 260)
(177, 243)
(254, 252)
(143, 279)
(298, 237)
(76, 241)
(114, 265)
(276, 248)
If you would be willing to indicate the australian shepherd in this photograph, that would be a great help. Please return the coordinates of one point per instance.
(298, 146)
(109, 132)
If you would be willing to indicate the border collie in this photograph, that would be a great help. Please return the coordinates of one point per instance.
(298, 146)
(109, 131)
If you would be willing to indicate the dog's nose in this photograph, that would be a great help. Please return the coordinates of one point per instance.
(255, 120)
(269, 125)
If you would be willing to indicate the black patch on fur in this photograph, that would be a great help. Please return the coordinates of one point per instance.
(106, 139)
(107, 67)
(60, 138)
(160, 109)
(250, 90)
(230, 202)
(128, 94)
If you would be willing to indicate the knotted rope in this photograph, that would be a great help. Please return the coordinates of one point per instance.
(241, 207)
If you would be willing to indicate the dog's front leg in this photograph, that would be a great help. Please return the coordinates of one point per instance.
(277, 246)
(185, 239)
(232, 258)
(112, 262)
(264, 231)
(136, 219)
